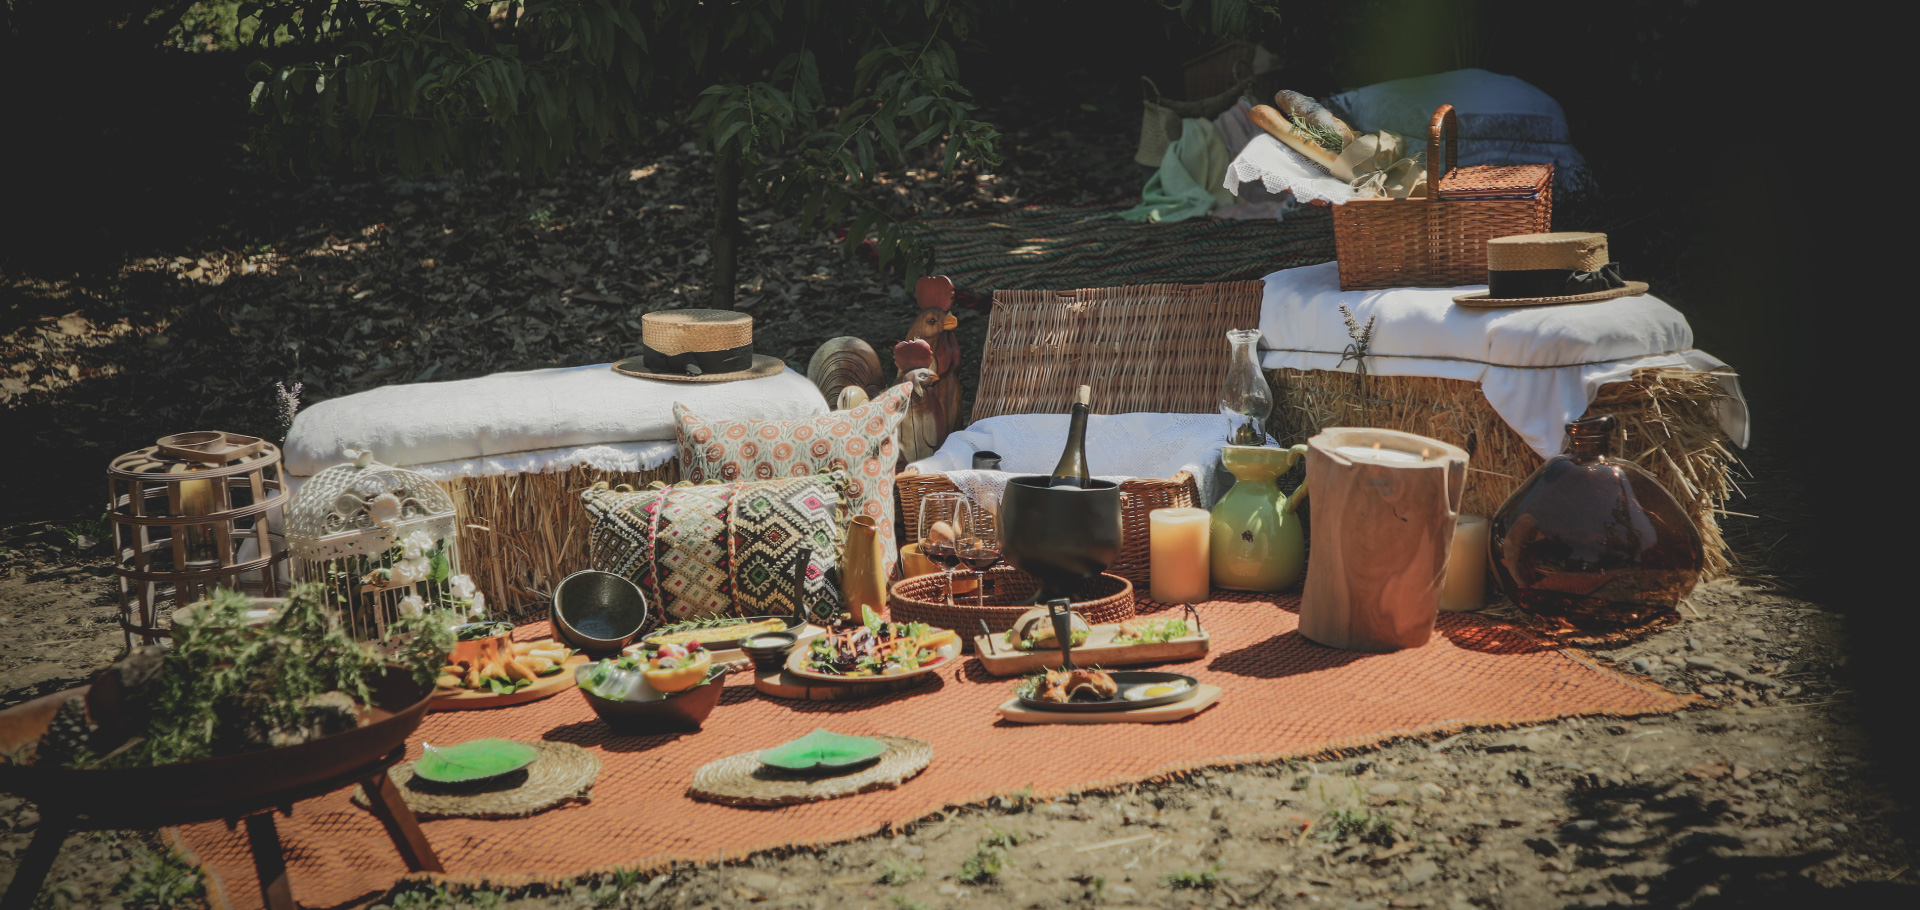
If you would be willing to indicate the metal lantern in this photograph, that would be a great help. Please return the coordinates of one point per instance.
(193, 512)
(378, 537)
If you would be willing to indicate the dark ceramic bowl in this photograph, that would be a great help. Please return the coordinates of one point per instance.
(677, 712)
(769, 656)
(1060, 535)
(598, 612)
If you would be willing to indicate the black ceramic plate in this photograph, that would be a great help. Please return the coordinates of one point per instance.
(1126, 679)
(792, 623)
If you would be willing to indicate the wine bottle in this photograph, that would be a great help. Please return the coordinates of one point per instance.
(1072, 469)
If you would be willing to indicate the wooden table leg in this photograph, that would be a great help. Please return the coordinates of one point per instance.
(269, 862)
(391, 809)
(33, 868)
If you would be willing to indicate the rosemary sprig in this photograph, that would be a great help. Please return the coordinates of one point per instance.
(690, 625)
(1321, 136)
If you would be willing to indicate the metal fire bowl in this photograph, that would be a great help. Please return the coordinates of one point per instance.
(598, 612)
(183, 791)
(1060, 535)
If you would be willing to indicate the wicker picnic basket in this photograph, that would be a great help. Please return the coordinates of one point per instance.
(1158, 348)
(1440, 240)
(922, 598)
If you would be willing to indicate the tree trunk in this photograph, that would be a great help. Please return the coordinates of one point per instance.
(726, 227)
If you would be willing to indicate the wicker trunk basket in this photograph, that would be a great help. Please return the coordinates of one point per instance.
(1432, 241)
(1137, 498)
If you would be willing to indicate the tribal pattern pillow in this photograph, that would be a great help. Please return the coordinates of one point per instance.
(861, 441)
(724, 549)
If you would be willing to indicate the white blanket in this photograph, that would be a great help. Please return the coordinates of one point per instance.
(532, 422)
(1539, 367)
(1119, 448)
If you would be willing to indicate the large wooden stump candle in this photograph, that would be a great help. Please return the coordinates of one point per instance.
(1384, 505)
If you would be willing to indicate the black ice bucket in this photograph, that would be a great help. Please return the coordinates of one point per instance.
(1060, 535)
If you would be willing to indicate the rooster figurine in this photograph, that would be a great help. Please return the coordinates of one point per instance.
(935, 325)
(923, 428)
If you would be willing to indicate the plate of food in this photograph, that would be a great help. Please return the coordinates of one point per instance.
(1095, 689)
(875, 651)
(719, 633)
(507, 673)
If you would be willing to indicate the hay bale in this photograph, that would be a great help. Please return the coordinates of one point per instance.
(520, 534)
(1665, 422)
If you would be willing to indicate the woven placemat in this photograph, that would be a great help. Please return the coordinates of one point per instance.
(563, 773)
(741, 780)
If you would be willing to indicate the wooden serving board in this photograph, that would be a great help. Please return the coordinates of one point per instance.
(1204, 696)
(544, 687)
(1098, 651)
(779, 683)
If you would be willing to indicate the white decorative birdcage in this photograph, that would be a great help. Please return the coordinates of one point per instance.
(384, 540)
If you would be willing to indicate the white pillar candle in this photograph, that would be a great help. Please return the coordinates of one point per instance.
(1375, 453)
(1466, 587)
(1181, 560)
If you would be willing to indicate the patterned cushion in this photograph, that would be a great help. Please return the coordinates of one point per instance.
(860, 442)
(724, 549)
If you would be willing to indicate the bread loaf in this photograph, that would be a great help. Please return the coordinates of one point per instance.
(1274, 123)
(1300, 107)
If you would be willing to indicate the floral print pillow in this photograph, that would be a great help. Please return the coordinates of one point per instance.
(862, 442)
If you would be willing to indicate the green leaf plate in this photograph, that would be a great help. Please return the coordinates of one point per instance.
(823, 749)
(476, 760)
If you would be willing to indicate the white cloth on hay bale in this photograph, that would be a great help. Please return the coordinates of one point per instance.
(1120, 447)
(537, 421)
(1539, 367)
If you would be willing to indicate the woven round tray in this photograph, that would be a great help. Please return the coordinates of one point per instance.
(741, 780)
(1108, 598)
(563, 773)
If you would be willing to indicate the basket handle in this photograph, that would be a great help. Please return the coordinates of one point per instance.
(1445, 128)
(1155, 88)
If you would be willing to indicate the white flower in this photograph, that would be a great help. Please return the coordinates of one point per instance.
(462, 587)
(416, 545)
(479, 607)
(412, 605)
(410, 571)
(384, 510)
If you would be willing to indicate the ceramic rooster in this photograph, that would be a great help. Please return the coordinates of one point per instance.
(935, 325)
(925, 426)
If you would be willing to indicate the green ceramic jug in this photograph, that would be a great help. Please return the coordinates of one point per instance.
(1256, 540)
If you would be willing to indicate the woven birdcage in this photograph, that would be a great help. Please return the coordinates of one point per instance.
(378, 537)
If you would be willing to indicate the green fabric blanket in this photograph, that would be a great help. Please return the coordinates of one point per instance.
(1191, 179)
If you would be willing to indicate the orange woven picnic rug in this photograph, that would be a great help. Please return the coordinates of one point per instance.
(1284, 697)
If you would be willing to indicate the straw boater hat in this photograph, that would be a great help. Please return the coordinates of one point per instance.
(1539, 269)
(698, 346)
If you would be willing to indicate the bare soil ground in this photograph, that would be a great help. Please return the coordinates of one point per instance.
(1767, 793)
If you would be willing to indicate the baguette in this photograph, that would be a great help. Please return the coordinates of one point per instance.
(1300, 107)
(1277, 126)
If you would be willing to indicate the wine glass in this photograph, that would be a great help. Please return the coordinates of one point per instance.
(979, 552)
(945, 520)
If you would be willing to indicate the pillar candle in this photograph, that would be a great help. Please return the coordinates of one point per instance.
(1180, 554)
(1466, 586)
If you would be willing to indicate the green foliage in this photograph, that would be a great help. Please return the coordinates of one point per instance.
(905, 904)
(1205, 878)
(417, 896)
(219, 667)
(533, 83)
(983, 865)
(895, 871)
(1356, 823)
(160, 880)
(95, 528)
(997, 837)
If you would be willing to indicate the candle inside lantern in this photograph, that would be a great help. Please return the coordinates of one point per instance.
(1465, 589)
(1181, 559)
(1377, 454)
(196, 498)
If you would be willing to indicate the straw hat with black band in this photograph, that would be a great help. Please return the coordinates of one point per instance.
(1544, 269)
(698, 346)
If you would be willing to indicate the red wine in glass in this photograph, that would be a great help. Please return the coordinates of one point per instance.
(979, 555)
(942, 553)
